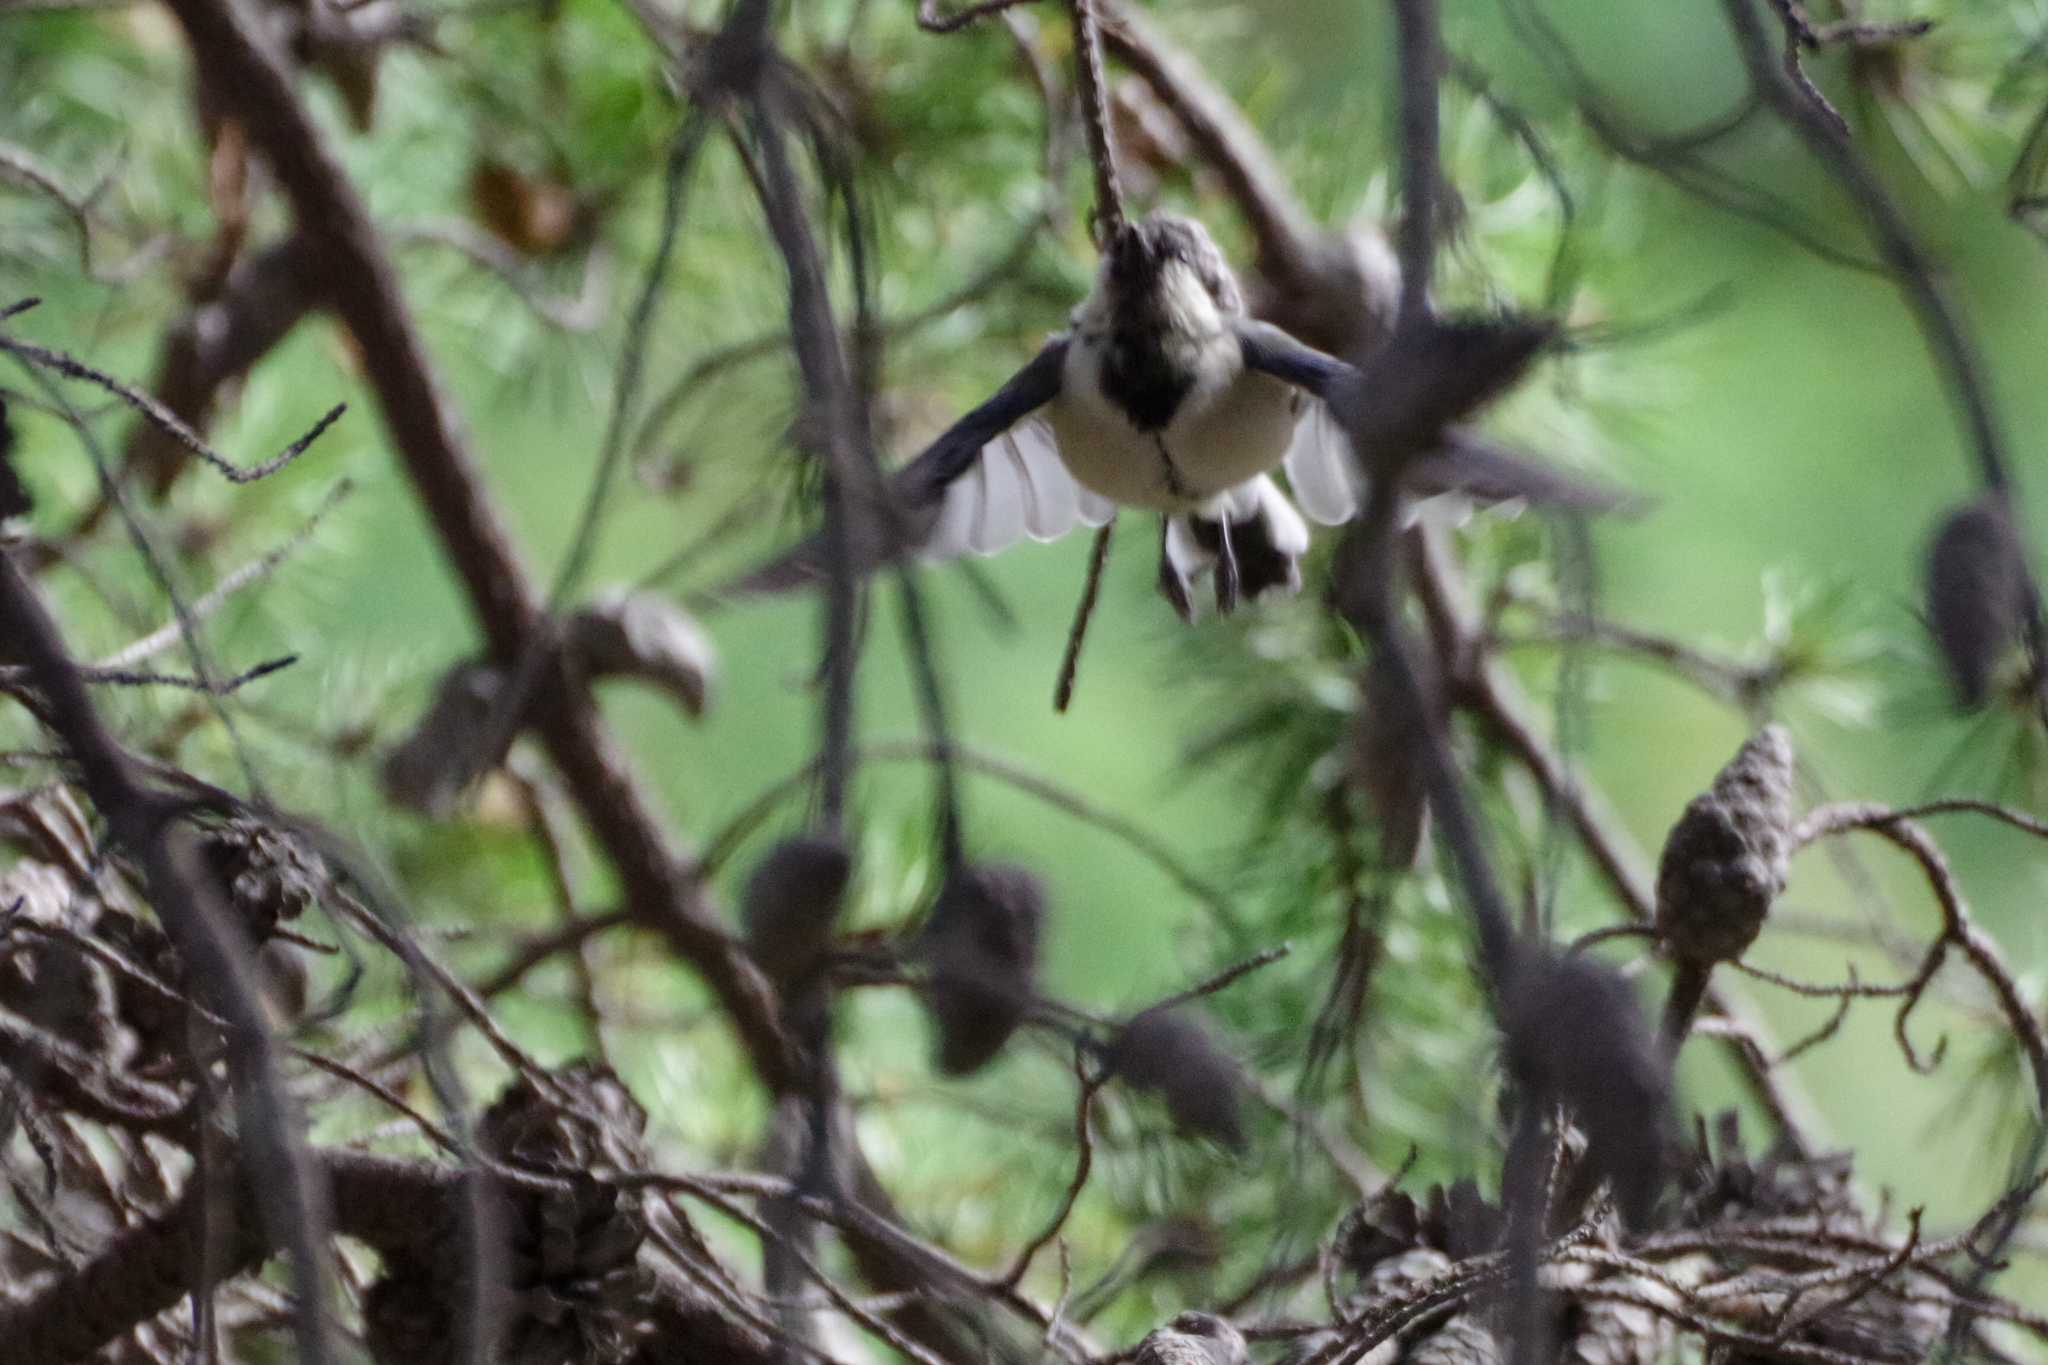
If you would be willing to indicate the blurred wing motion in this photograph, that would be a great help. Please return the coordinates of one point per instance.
(1018, 487)
(971, 518)
(995, 477)
(1327, 480)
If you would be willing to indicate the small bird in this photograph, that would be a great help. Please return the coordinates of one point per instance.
(1194, 1339)
(1163, 395)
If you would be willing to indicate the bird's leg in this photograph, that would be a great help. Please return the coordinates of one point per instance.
(1172, 586)
(1228, 579)
(1175, 484)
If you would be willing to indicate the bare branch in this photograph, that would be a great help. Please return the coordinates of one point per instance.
(210, 941)
(430, 439)
(165, 419)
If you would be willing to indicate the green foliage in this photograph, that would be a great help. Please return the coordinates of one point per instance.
(1794, 447)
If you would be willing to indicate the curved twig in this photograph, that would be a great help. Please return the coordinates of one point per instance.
(1958, 928)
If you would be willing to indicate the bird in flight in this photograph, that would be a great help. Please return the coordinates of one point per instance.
(1162, 395)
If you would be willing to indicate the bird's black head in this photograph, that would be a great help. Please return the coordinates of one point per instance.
(1139, 255)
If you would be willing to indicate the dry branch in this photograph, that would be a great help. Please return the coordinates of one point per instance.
(430, 438)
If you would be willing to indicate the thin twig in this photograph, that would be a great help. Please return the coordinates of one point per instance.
(256, 570)
(167, 420)
(1958, 927)
(1093, 86)
(212, 944)
(1084, 611)
(1084, 1161)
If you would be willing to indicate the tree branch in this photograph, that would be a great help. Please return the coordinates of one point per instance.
(429, 437)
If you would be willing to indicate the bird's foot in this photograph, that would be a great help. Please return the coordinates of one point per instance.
(1229, 580)
(1173, 584)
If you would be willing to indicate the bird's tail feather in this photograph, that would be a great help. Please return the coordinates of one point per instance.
(1256, 526)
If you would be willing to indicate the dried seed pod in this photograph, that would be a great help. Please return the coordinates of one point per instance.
(981, 946)
(1194, 1339)
(1725, 860)
(1574, 1035)
(1976, 594)
(1170, 1053)
(790, 904)
(448, 748)
(643, 635)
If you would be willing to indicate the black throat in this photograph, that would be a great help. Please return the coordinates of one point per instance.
(1137, 374)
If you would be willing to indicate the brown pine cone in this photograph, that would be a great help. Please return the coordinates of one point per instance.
(269, 874)
(982, 948)
(1170, 1053)
(1725, 860)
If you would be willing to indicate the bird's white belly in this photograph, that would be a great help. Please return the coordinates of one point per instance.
(1216, 441)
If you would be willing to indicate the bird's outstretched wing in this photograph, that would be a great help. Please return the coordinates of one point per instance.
(1328, 480)
(1018, 487)
(987, 480)
(1319, 466)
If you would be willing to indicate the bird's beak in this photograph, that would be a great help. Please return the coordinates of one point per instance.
(1130, 257)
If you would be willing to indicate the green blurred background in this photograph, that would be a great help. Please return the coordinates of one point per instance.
(1792, 433)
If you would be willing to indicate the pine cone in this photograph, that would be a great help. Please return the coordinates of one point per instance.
(1725, 860)
(570, 1288)
(1727, 1187)
(1976, 594)
(598, 1133)
(982, 947)
(576, 1285)
(791, 903)
(269, 874)
(1456, 1222)
(1170, 1053)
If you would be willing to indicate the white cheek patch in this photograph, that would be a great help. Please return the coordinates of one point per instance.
(1189, 308)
